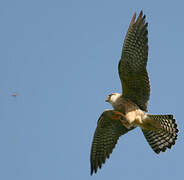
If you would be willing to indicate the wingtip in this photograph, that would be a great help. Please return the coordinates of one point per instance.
(91, 173)
(133, 19)
(141, 16)
(92, 170)
(141, 13)
(135, 14)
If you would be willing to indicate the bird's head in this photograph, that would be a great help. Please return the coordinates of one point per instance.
(112, 98)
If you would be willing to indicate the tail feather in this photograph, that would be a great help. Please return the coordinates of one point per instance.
(164, 137)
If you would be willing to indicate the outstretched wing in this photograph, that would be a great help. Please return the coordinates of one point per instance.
(105, 138)
(132, 66)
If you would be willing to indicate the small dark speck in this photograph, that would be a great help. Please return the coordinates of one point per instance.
(14, 94)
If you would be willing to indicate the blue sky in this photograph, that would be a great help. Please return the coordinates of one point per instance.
(61, 58)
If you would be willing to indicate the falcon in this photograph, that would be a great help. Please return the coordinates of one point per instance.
(130, 108)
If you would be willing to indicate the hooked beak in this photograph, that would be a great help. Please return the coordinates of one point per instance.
(107, 100)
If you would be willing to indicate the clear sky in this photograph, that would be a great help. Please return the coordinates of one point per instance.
(61, 59)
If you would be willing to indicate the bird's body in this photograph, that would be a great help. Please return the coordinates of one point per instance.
(130, 107)
(133, 114)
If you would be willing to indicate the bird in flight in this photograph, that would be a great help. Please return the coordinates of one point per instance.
(14, 94)
(130, 108)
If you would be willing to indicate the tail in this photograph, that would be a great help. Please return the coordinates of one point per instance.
(164, 137)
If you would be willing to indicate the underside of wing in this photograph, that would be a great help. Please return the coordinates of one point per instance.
(105, 138)
(132, 66)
